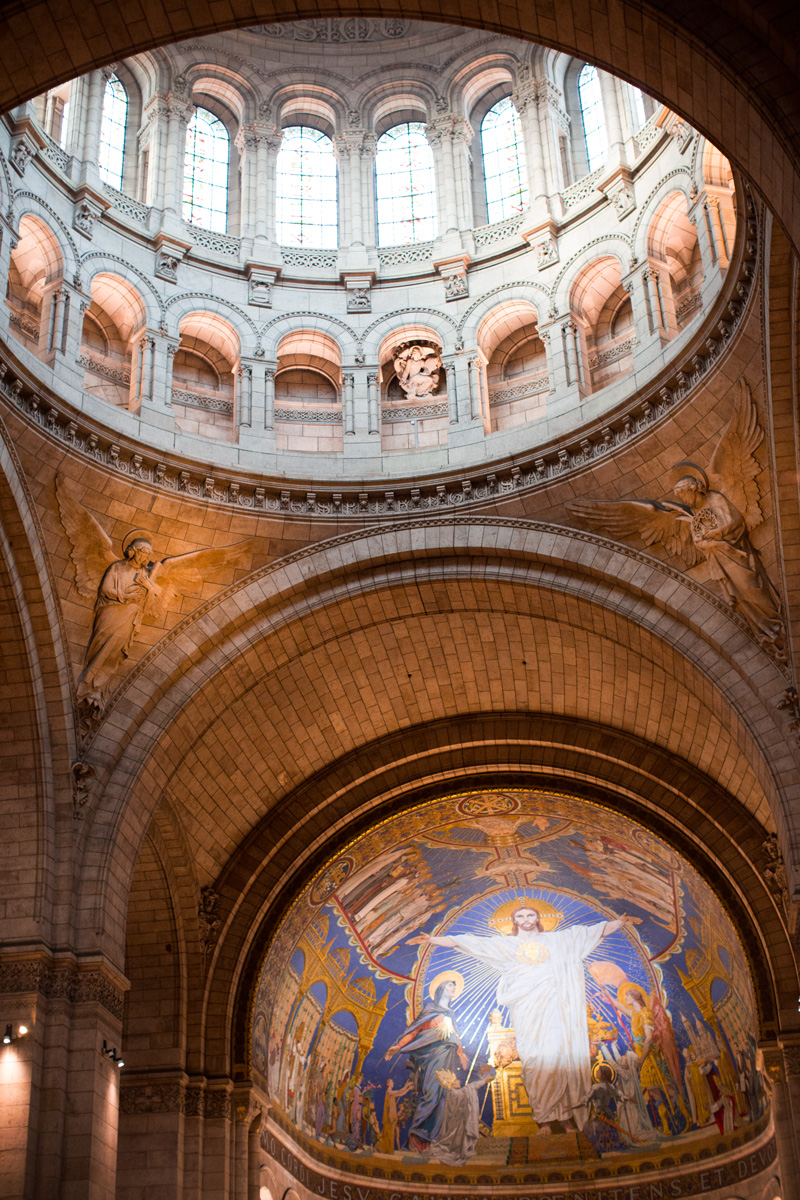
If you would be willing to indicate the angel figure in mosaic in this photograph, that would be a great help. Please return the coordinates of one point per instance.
(127, 590)
(711, 519)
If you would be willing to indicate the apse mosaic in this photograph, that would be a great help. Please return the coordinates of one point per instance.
(505, 979)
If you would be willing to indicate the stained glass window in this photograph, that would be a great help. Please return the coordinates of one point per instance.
(638, 115)
(112, 132)
(405, 184)
(503, 162)
(205, 174)
(307, 208)
(594, 122)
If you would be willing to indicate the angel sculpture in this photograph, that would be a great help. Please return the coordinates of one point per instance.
(710, 519)
(417, 369)
(126, 590)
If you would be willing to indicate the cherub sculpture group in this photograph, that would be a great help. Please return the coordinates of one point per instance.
(711, 518)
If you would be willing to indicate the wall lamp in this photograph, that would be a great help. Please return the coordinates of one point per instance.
(111, 1053)
(9, 1035)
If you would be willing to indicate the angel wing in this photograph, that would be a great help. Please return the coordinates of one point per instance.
(733, 469)
(186, 572)
(653, 520)
(92, 550)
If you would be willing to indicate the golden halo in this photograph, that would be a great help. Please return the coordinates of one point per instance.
(501, 921)
(446, 977)
(596, 1071)
(135, 535)
(628, 986)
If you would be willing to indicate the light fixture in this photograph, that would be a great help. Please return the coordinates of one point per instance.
(9, 1035)
(111, 1053)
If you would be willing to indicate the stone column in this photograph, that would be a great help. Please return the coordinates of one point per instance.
(94, 115)
(246, 142)
(476, 399)
(782, 1065)
(438, 135)
(268, 144)
(269, 395)
(344, 168)
(368, 224)
(348, 405)
(461, 136)
(143, 371)
(243, 404)
(525, 99)
(449, 368)
(177, 123)
(608, 91)
(373, 405)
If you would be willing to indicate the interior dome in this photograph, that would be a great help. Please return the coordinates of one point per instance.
(267, 217)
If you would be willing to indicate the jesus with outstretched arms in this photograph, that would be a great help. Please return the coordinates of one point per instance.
(542, 984)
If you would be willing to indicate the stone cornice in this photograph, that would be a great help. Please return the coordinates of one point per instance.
(64, 977)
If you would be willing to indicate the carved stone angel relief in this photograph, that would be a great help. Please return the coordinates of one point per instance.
(127, 591)
(710, 520)
(417, 368)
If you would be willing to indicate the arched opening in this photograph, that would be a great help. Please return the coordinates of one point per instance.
(203, 371)
(516, 364)
(405, 186)
(35, 268)
(308, 383)
(672, 239)
(602, 310)
(110, 324)
(413, 388)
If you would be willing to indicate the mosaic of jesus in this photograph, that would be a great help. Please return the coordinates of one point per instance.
(508, 977)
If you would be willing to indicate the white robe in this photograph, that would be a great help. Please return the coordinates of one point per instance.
(542, 984)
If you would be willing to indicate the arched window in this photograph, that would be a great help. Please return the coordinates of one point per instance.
(307, 209)
(594, 122)
(503, 162)
(205, 174)
(638, 114)
(405, 185)
(112, 132)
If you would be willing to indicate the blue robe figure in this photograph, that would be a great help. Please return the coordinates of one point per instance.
(433, 1047)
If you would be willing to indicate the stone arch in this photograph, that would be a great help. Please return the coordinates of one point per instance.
(187, 302)
(707, 637)
(508, 293)
(678, 180)
(383, 327)
(310, 103)
(228, 87)
(273, 332)
(97, 262)
(392, 102)
(29, 204)
(611, 245)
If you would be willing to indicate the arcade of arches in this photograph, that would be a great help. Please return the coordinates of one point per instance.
(399, 514)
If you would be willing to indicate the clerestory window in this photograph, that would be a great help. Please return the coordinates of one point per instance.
(504, 168)
(112, 132)
(307, 206)
(594, 122)
(405, 186)
(205, 174)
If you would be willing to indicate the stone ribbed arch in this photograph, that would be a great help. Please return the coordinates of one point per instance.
(442, 592)
(35, 700)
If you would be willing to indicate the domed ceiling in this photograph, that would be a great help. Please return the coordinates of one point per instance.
(498, 985)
